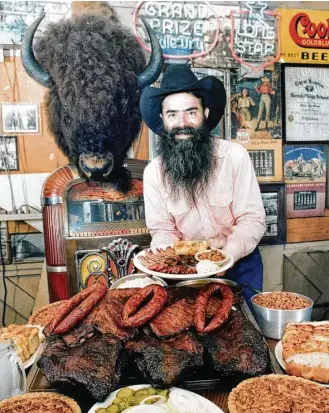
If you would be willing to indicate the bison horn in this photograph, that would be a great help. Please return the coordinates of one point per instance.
(32, 67)
(153, 69)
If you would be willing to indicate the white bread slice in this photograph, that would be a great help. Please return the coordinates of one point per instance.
(306, 350)
(190, 247)
(25, 338)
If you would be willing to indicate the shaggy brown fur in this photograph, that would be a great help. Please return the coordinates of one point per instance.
(93, 102)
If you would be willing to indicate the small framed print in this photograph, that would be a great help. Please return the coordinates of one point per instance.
(305, 200)
(20, 118)
(266, 156)
(274, 205)
(8, 153)
(305, 103)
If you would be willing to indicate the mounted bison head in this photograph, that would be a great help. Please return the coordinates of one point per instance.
(94, 70)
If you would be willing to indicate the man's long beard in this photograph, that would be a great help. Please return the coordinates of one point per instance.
(187, 164)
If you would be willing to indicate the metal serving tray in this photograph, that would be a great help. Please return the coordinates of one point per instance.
(37, 382)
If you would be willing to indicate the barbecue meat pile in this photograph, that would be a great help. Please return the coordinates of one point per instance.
(165, 362)
(96, 365)
(238, 349)
(166, 349)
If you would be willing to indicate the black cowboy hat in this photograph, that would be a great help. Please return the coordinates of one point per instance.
(179, 78)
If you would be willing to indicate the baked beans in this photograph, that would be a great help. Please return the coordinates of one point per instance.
(212, 255)
(281, 300)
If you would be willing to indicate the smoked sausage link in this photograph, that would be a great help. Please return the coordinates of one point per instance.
(66, 308)
(131, 318)
(80, 312)
(201, 307)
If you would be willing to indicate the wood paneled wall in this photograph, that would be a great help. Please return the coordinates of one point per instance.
(37, 153)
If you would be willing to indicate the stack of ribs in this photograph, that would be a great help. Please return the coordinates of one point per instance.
(168, 333)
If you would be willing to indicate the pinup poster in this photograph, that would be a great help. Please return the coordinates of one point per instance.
(304, 163)
(256, 107)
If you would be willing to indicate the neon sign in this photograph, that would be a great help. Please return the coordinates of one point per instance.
(254, 36)
(179, 25)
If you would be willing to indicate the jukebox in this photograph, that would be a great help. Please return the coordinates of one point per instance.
(91, 230)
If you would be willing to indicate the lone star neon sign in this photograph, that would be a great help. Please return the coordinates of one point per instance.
(256, 9)
(254, 36)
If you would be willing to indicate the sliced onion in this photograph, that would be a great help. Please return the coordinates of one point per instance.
(146, 408)
(153, 396)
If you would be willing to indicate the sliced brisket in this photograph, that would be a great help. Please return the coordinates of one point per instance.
(238, 349)
(96, 365)
(166, 362)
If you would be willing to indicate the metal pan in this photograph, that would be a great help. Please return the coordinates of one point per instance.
(236, 288)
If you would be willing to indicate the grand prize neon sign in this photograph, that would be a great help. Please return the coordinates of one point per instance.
(255, 42)
(178, 25)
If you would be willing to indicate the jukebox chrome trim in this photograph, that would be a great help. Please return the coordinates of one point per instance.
(56, 269)
(51, 200)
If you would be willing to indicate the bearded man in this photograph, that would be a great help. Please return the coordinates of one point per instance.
(201, 187)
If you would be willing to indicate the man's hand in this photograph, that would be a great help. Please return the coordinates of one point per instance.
(221, 274)
(215, 243)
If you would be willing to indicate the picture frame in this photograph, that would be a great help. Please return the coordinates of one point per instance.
(305, 96)
(9, 160)
(20, 118)
(255, 106)
(273, 196)
(266, 157)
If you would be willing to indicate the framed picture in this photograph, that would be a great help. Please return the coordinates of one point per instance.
(27, 247)
(305, 103)
(304, 200)
(255, 105)
(274, 205)
(266, 156)
(305, 164)
(8, 153)
(20, 118)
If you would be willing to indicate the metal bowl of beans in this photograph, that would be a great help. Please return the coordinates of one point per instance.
(273, 310)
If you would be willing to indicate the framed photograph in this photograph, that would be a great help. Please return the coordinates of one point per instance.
(27, 247)
(8, 153)
(20, 118)
(305, 103)
(274, 205)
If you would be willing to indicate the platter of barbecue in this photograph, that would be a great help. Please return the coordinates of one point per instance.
(147, 399)
(277, 393)
(185, 260)
(27, 340)
(304, 351)
(195, 338)
(39, 403)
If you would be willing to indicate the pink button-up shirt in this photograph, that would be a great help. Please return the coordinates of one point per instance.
(231, 210)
